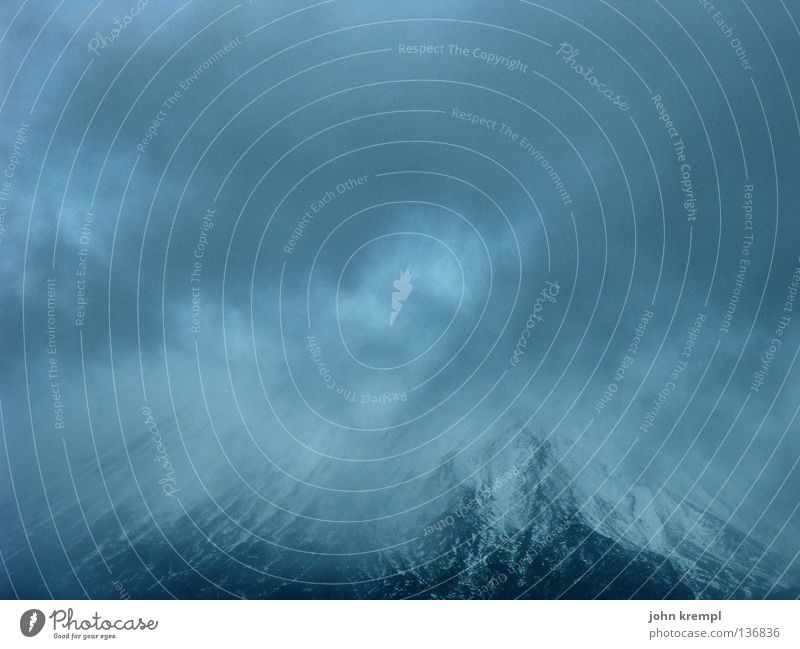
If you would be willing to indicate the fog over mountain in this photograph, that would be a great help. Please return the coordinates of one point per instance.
(356, 299)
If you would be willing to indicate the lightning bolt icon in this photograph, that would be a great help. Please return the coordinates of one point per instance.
(32, 621)
(402, 290)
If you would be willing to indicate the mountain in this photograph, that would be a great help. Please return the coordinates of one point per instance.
(540, 524)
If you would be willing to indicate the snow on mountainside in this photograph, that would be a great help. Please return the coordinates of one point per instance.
(610, 541)
(531, 522)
